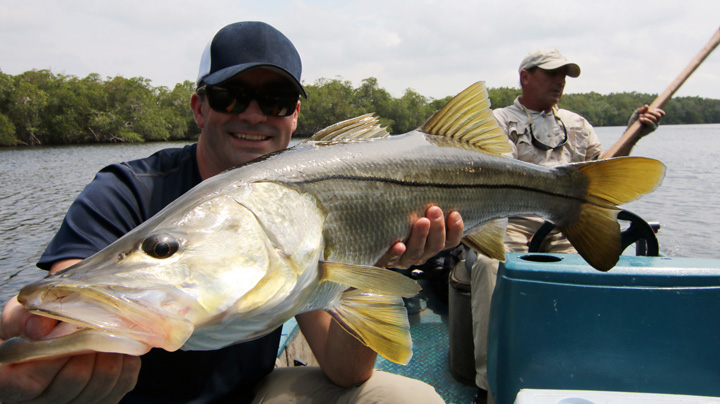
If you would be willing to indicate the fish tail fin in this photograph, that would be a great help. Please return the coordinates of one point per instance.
(378, 321)
(596, 232)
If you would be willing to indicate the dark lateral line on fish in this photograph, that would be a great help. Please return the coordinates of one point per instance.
(433, 184)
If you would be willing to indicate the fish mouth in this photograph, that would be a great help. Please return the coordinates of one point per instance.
(94, 308)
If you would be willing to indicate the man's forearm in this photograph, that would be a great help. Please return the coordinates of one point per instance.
(343, 358)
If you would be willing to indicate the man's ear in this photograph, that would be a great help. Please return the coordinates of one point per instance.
(295, 117)
(196, 103)
(523, 77)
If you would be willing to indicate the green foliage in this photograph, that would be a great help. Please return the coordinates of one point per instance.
(42, 108)
(502, 96)
(692, 110)
(176, 104)
(328, 101)
(411, 110)
(7, 132)
(333, 100)
(39, 107)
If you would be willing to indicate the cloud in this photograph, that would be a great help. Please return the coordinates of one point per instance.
(434, 47)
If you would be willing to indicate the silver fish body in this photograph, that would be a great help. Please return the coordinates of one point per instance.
(397, 178)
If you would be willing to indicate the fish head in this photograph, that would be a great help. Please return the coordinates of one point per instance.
(197, 263)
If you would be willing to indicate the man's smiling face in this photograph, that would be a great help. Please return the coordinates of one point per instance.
(232, 139)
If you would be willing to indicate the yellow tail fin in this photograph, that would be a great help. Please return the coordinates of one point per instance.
(623, 179)
(596, 233)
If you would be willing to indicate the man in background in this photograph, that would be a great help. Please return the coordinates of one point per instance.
(540, 133)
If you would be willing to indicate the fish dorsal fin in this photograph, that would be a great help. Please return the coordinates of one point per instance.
(488, 239)
(369, 279)
(363, 127)
(467, 118)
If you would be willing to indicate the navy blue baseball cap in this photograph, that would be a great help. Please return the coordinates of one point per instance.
(244, 45)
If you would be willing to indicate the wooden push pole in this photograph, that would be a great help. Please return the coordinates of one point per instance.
(626, 140)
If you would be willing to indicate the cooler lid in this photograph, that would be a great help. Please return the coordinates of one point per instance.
(631, 271)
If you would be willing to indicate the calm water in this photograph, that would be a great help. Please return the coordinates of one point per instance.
(39, 184)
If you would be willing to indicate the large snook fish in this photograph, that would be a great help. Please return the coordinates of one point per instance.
(299, 230)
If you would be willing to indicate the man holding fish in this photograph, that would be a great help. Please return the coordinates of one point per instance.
(540, 133)
(247, 106)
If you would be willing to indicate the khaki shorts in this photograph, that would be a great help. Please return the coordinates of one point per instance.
(309, 385)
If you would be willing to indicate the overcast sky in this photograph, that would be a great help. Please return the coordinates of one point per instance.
(437, 48)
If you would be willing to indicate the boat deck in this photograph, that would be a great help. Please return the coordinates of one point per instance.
(429, 328)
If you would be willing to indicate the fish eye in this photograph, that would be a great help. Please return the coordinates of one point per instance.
(160, 246)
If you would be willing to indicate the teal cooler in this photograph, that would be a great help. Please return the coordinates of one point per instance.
(650, 325)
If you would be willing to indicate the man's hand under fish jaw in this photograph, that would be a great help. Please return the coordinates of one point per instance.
(18, 321)
(429, 236)
(93, 377)
(88, 378)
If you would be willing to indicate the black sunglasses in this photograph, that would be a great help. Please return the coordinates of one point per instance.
(235, 100)
(542, 146)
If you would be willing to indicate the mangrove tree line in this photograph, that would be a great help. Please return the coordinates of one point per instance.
(39, 107)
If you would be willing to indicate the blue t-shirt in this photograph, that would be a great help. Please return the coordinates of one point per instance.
(120, 198)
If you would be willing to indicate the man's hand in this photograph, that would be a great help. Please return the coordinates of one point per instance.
(649, 117)
(96, 377)
(429, 236)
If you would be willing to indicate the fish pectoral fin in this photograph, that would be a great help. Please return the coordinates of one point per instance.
(363, 127)
(380, 322)
(596, 232)
(467, 118)
(21, 349)
(373, 311)
(369, 279)
(489, 239)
